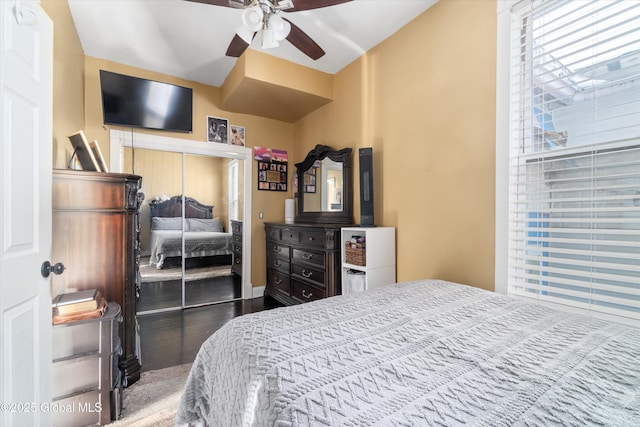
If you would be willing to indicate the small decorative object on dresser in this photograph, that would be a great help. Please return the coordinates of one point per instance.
(368, 258)
(303, 262)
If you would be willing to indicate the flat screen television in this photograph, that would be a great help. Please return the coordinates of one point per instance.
(141, 103)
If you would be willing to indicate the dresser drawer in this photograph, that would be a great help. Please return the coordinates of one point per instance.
(278, 263)
(72, 339)
(273, 233)
(290, 235)
(236, 228)
(237, 248)
(305, 293)
(313, 238)
(237, 264)
(75, 375)
(85, 409)
(237, 239)
(278, 280)
(311, 274)
(274, 249)
(316, 258)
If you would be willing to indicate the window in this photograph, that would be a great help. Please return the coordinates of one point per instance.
(574, 154)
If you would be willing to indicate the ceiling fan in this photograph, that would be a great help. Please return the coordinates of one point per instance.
(264, 16)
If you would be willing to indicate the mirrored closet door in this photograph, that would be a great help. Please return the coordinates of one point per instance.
(186, 234)
(208, 238)
(160, 271)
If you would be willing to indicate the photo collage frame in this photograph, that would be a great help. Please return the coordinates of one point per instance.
(272, 176)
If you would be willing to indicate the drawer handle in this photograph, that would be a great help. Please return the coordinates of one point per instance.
(237, 248)
(307, 296)
(307, 256)
(311, 239)
(277, 281)
(307, 275)
(237, 239)
(276, 249)
(277, 263)
(238, 261)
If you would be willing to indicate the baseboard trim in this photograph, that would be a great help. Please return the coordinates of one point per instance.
(257, 291)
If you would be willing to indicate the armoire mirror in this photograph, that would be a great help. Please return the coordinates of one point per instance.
(324, 187)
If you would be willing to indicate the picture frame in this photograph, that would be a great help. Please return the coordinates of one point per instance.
(238, 136)
(83, 152)
(272, 176)
(217, 130)
(97, 153)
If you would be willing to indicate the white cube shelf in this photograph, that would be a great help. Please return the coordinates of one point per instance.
(380, 258)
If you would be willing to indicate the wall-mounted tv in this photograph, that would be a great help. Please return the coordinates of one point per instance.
(141, 103)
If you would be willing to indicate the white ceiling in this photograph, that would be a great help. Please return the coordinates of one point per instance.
(189, 40)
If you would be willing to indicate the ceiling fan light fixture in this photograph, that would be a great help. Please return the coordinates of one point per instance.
(281, 27)
(245, 34)
(252, 18)
(268, 40)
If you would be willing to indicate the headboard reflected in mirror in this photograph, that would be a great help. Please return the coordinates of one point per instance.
(325, 187)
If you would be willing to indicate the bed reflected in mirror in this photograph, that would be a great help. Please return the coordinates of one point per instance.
(185, 233)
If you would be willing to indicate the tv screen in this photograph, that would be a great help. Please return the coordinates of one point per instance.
(135, 102)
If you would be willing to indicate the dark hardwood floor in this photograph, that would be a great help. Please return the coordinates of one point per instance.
(168, 294)
(174, 337)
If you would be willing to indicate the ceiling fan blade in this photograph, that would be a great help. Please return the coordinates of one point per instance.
(238, 4)
(299, 5)
(236, 47)
(303, 42)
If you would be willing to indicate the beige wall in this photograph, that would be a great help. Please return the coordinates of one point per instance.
(425, 101)
(68, 76)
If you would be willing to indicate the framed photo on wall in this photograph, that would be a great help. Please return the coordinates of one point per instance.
(272, 176)
(237, 135)
(217, 130)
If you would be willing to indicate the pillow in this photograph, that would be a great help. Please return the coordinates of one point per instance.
(162, 223)
(201, 224)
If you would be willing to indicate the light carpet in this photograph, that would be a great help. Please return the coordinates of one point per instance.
(149, 273)
(153, 399)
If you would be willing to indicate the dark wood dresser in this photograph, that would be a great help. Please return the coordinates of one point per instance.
(96, 235)
(236, 231)
(303, 262)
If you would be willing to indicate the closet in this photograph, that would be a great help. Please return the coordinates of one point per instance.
(188, 188)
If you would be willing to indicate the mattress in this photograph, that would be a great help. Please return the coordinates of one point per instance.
(168, 243)
(415, 354)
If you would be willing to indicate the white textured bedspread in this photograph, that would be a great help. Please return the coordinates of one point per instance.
(416, 354)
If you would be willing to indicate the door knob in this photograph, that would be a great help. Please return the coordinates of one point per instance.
(47, 268)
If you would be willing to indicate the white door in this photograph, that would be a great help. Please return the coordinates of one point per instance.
(26, 70)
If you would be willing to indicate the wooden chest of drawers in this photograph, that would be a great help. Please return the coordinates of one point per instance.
(303, 262)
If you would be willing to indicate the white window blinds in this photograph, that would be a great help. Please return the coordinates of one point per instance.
(574, 218)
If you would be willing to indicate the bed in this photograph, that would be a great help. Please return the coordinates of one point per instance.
(204, 236)
(414, 354)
